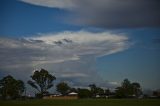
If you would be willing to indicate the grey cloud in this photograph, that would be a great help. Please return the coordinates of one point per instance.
(109, 13)
(119, 13)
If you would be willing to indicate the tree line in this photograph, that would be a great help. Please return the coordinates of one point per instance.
(42, 81)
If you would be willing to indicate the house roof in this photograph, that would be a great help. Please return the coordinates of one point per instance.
(73, 93)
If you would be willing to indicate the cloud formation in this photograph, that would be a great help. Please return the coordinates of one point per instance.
(108, 13)
(69, 55)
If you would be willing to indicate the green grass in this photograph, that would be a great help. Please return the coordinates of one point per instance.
(84, 102)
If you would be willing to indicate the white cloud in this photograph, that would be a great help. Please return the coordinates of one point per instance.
(69, 55)
(84, 43)
(52, 3)
(114, 83)
(64, 46)
(73, 75)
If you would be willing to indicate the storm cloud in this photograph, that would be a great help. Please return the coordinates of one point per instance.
(108, 13)
(68, 55)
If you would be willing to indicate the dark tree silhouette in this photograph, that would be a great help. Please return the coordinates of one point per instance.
(63, 88)
(96, 90)
(42, 81)
(100, 91)
(137, 91)
(128, 89)
(107, 92)
(84, 93)
(93, 88)
(11, 88)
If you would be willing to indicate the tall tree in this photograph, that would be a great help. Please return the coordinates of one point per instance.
(42, 80)
(107, 92)
(84, 93)
(126, 84)
(120, 92)
(128, 89)
(94, 90)
(11, 88)
(63, 88)
(136, 89)
(100, 91)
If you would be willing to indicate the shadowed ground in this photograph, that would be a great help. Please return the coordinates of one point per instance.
(84, 102)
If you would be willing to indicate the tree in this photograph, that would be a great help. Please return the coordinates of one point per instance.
(107, 92)
(42, 81)
(84, 93)
(11, 88)
(96, 90)
(93, 88)
(120, 92)
(128, 89)
(100, 91)
(136, 89)
(156, 93)
(63, 88)
(126, 84)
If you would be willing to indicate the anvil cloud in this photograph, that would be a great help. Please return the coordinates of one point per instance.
(69, 55)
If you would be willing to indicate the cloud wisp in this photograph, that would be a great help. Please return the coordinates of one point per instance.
(69, 55)
(108, 13)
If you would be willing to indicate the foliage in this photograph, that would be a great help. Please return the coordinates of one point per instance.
(42, 81)
(107, 92)
(11, 88)
(120, 92)
(137, 91)
(96, 90)
(63, 88)
(100, 91)
(156, 93)
(93, 89)
(84, 93)
(128, 89)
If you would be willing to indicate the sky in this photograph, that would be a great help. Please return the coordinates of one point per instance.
(82, 41)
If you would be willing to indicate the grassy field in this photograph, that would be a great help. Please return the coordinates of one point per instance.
(85, 102)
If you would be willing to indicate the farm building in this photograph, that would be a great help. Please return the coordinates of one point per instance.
(71, 95)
